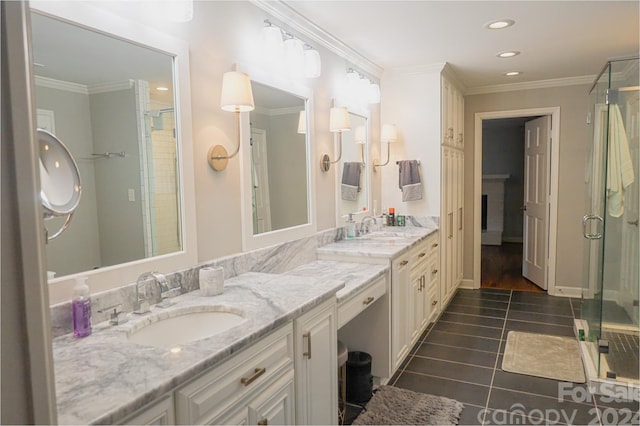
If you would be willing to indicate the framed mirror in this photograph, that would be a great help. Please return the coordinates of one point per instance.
(352, 174)
(276, 158)
(115, 94)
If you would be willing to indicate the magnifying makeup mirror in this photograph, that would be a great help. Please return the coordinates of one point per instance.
(59, 180)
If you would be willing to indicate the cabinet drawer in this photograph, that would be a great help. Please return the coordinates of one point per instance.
(217, 390)
(159, 412)
(351, 307)
(434, 272)
(433, 300)
(419, 255)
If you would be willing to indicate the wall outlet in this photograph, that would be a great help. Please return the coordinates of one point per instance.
(132, 195)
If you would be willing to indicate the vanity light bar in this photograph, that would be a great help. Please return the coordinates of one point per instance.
(364, 88)
(308, 57)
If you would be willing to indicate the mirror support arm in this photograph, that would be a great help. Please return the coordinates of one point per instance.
(385, 163)
(218, 156)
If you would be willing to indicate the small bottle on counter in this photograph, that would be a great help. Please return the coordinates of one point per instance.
(391, 219)
(351, 227)
(81, 308)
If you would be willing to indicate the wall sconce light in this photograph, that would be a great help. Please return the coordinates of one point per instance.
(338, 123)
(388, 134)
(360, 137)
(236, 97)
(302, 123)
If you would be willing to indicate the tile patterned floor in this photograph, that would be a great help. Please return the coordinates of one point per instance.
(460, 357)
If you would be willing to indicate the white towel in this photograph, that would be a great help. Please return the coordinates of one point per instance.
(619, 166)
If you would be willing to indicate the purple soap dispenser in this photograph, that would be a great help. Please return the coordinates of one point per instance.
(81, 307)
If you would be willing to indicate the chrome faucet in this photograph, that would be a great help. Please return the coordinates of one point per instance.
(364, 228)
(141, 304)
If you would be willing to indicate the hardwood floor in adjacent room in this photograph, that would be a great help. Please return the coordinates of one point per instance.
(502, 268)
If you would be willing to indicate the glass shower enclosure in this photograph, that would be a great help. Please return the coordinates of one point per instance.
(609, 310)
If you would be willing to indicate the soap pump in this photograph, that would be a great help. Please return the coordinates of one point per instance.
(81, 308)
(351, 227)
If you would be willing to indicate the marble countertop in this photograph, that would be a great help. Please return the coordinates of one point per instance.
(103, 378)
(356, 276)
(384, 244)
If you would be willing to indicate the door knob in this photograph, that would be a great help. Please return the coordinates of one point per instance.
(523, 208)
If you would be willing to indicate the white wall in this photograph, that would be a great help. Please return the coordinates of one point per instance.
(411, 100)
(574, 136)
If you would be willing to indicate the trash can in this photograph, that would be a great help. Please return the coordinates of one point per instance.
(359, 378)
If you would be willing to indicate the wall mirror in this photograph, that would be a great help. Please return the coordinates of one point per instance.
(111, 92)
(276, 175)
(353, 170)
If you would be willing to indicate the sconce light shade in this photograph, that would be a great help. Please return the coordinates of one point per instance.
(339, 120)
(236, 92)
(389, 133)
(294, 56)
(360, 136)
(312, 63)
(302, 122)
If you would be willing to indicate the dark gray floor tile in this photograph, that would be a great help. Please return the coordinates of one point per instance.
(468, 329)
(524, 383)
(534, 405)
(464, 392)
(618, 416)
(613, 402)
(542, 308)
(502, 417)
(468, 356)
(472, 319)
(471, 415)
(450, 370)
(462, 341)
(535, 298)
(476, 310)
(542, 318)
(497, 296)
(531, 327)
(482, 303)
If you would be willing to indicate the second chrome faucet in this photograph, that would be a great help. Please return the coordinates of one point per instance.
(142, 303)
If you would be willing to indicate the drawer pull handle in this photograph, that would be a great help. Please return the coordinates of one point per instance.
(434, 303)
(263, 422)
(434, 245)
(423, 254)
(307, 336)
(368, 300)
(256, 373)
(435, 271)
(404, 262)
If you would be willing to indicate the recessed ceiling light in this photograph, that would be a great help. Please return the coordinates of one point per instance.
(512, 73)
(162, 88)
(500, 24)
(507, 54)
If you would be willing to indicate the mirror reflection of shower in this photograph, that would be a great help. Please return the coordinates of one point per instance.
(163, 205)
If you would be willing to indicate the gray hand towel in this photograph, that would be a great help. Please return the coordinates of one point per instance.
(409, 180)
(351, 181)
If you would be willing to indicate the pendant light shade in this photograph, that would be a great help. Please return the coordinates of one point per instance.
(272, 41)
(312, 63)
(294, 56)
(236, 92)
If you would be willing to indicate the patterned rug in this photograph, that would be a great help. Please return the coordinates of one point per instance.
(395, 406)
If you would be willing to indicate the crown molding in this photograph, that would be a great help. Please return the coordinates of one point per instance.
(416, 70)
(67, 86)
(110, 87)
(293, 20)
(531, 85)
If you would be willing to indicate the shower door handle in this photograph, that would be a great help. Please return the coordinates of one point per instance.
(585, 221)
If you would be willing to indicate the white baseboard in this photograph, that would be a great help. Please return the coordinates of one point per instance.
(466, 283)
(575, 292)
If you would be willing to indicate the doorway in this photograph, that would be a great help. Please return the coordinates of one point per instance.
(513, 247)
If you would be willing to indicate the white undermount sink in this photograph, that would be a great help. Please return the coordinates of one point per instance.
(184, 326)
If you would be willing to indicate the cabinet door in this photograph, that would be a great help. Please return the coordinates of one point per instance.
(160, 412)
(416, 306)
(460, 241)
(274, 406)
(400, 302)
(316, 366)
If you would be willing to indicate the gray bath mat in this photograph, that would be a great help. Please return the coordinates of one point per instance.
(541, 355)
(396, 406)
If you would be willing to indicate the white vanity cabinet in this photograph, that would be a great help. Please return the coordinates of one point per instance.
(159, 412)
(249, 388)
(316, 365)
(401, 307)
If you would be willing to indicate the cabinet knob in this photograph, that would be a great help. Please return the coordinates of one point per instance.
(404, 263)
(434, 303)
(435, 271)
(423, 254)
(263, 422)
(256, 373)
(434, 245)
(368, 300)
